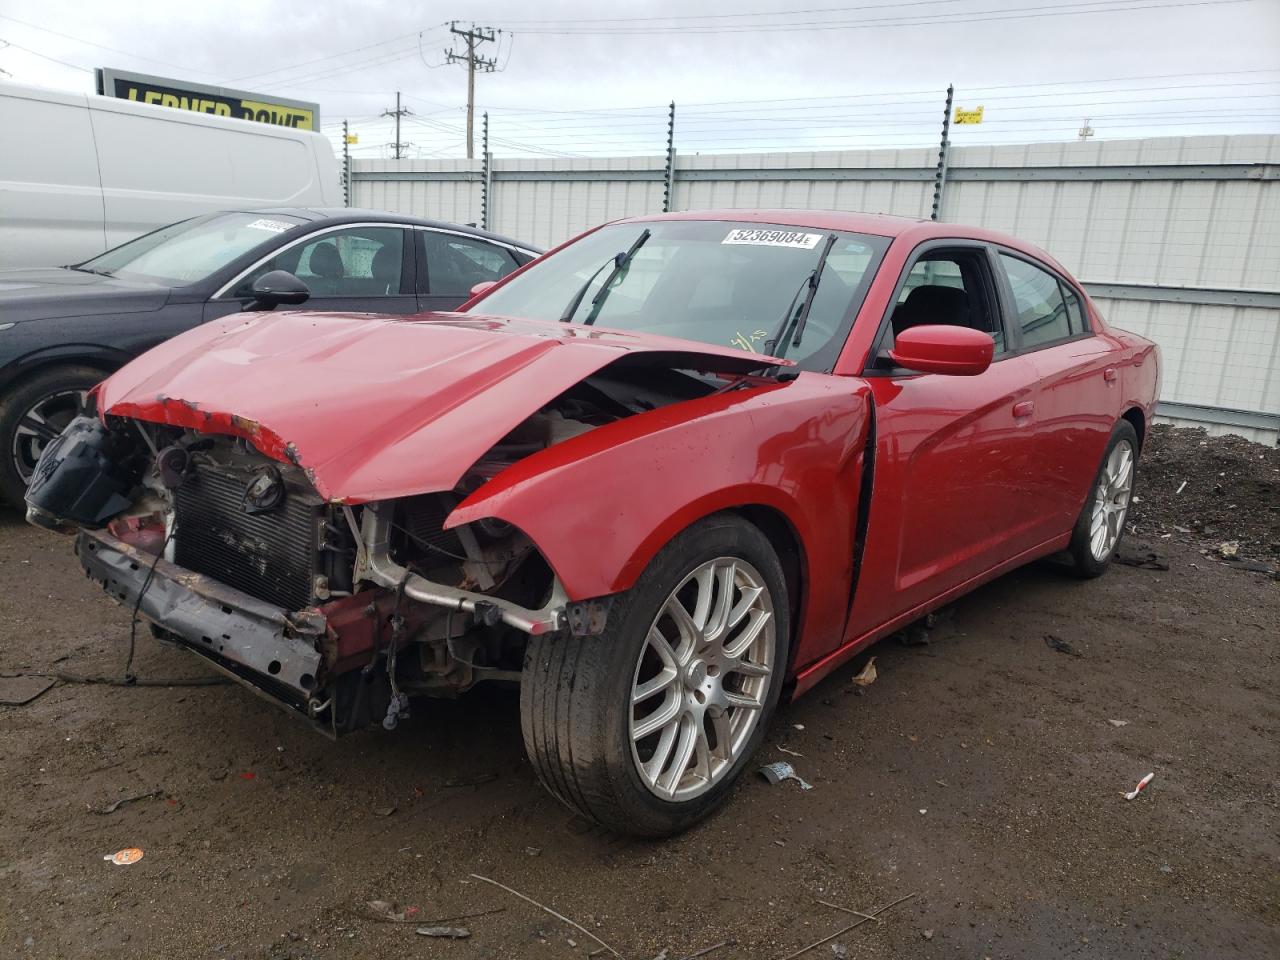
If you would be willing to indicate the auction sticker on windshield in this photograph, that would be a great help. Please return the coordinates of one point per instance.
(774, 238)
(273, 226)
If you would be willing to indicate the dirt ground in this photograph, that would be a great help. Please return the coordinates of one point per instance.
(981, 774)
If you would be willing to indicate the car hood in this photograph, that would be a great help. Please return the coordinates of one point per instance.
(47, 292)
(375, 407)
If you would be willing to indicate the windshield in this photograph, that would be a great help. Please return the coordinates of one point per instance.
(718, 282)
(190, 250)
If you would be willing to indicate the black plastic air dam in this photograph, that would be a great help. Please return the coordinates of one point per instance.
(85, 476)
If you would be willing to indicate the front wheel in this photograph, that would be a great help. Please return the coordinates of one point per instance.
(1100, 525)
(645, 728)
(34, 413)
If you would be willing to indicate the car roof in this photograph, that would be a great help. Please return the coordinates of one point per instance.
(909, 229)
(339, 215)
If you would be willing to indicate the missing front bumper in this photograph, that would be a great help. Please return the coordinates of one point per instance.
(261, 645)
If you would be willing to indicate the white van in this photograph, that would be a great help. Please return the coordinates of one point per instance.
(81, 173)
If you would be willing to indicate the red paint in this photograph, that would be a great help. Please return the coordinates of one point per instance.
(971, 475)
(374, 408)
(958, 351)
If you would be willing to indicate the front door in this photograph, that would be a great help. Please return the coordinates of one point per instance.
(357, 269)
(953, 454)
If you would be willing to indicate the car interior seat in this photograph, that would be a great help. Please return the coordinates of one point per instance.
(327, 267)
(932, 303)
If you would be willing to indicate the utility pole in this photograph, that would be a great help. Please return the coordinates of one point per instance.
(1086, 131)
(398, 148)
(473, 38)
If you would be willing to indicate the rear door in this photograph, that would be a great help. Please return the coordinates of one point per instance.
(450, 264)
(1079, 387)
(953, 454)
(360, 268)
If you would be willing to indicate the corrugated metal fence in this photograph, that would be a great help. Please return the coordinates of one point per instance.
(1177, 239)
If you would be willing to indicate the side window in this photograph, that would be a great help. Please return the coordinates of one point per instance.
(358, 262)
(455, 263)
(1042, 311)
(949, 288)
(1075, 312)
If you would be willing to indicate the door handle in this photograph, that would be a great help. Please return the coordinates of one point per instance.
(1023, 409)
(1109, 374)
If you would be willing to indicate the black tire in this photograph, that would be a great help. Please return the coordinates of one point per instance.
(52, 385)
(575, 697)
(1083, 562)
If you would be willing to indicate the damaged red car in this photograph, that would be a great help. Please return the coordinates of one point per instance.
(675, 470)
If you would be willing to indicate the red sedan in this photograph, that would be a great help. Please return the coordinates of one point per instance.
(661, 477)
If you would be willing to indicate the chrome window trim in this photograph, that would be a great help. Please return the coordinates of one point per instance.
(471, 236)
(307, 238)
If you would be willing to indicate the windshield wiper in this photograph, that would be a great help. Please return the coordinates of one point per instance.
(619, 262)
(776, 346)
(84, 269)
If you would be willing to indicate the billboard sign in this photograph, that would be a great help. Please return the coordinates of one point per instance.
(200, 98)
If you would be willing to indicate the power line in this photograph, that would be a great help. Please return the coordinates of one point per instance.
(100, 46)
(973, 16)
(42, 56)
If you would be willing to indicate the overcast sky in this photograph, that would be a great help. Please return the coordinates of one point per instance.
(594, 79)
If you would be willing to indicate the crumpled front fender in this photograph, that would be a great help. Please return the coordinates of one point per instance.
(601, 505)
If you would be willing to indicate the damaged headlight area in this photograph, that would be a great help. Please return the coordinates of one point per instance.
(339, 612)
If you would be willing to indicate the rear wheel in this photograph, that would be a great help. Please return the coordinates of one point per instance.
(645, 728)
(35, 413)
(1100, 526)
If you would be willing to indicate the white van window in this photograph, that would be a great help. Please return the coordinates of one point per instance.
(193, 158)
(73, 163)
(191, 250)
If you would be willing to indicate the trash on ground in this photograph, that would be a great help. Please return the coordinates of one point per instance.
(775, 773)
(927, 934)
(1230, 549)
(867, 676)
(533, 851)
(1182, 486)
(20, 690)
(393, 913)
(122, 858)
(839, 951)
(791, 752)
(116, 805)
(448, 933)
(1144, 559)
(384, 811)
(1057, 643)
(798, 726)
(1142, 785)
(1118, 723)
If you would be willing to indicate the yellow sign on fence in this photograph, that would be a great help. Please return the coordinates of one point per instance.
(353, 138)
(968, 116)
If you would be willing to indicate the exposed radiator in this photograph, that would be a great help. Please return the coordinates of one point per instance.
(271, 556)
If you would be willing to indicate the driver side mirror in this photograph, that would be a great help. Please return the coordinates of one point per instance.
(937, 348)
(481, 287)
(272, 289)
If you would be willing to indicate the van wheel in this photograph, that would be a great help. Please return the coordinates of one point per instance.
(645, 728)
(32, 415)
(1100, 526)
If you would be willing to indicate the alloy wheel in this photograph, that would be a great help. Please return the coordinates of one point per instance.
(702, 678)
(1111, 501)
(42, 424)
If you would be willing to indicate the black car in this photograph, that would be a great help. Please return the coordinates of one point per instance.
(62, 329)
